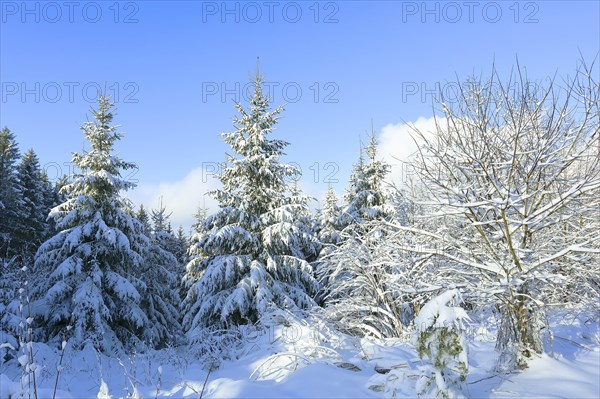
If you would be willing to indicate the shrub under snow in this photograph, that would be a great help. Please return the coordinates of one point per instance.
(441, 339)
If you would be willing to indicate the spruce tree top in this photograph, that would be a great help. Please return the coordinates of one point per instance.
(100, 178)
(366, 198)
(255, 180)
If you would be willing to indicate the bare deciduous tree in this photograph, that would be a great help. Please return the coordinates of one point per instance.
(512, 174)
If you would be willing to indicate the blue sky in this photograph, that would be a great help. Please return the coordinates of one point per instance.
(175, 68)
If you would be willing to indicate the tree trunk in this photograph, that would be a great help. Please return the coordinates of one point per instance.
(519, 336)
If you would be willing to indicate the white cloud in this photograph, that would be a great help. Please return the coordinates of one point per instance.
(396, 145)
(181, 197)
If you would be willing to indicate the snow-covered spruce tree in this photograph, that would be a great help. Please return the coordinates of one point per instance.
(162, 276)
(30, 230)
(250, 255)
(143, 217)
(305, 226)
(160, 219)
(33, 209)
(351, 283)
(356, 184)
(9, 320)
(163, 235)
(502, 173)
(52, 198)
(9, 192)
(365, 198)
(93, 264)
(9, 202)
(329, 224)
(10, 262)
(440, 338)
(182, 242)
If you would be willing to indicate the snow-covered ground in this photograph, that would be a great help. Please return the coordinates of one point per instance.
(306, 361)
